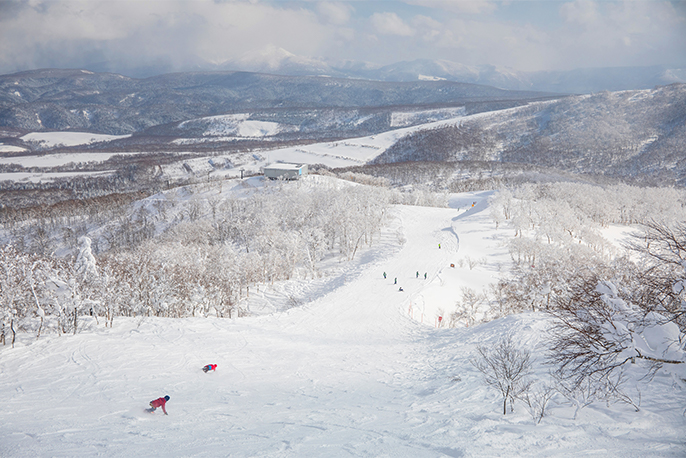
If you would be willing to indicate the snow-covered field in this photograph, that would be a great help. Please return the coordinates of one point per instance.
(40, 177)
(10, 148)
(359, 369)
(52, 139)
(236, 125)
(343, 153)
(59, 159)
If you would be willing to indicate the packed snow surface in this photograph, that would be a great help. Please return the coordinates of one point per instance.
(405, 118)
(358, 369)
(51, 139)
(10, 148)
(235, 124)
(59, 159)
(41, 177)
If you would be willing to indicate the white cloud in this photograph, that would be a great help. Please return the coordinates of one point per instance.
(427, 28)
(584, 12)
(335, 12)
(426, 22)
(470, 42)
(75, 33)
(621, 33)
(181, 33)
(458, 6)
(347, 34)
(391, 24)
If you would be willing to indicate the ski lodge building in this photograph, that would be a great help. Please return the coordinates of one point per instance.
(285, 171)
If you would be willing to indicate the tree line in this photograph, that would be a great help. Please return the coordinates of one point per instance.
(612, 308)
(183, 254)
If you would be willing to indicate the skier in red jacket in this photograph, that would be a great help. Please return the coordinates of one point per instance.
(209, 367)
(159, 402)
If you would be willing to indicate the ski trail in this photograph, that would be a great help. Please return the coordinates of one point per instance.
(360, 343)
(339, 372)
(351, 372)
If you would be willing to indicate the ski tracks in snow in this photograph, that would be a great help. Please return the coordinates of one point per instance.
(361, 346)
(348, 373)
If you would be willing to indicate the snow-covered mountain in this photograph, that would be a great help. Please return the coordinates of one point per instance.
(276, 60)
(626, 135)
(304, 124)
(630, 134)
(272, 59)
(451, 71)
(114, 104)
(578, 81)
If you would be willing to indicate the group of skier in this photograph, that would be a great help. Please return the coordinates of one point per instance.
(395, 279)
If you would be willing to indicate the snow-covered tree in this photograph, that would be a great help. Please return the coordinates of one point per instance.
(610, 320)
(600, 332)
(505, 368)
(85, 266)
(13, 290)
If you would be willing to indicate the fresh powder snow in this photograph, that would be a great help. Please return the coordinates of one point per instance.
(359, 369)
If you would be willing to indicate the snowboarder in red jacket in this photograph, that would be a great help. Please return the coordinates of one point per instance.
(209, 367)
(159, 402)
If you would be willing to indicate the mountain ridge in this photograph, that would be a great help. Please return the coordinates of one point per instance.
(276, 60)
(109, 103)
(622, 134)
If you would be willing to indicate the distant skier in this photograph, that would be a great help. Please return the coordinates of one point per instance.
(424, 275)
(439, 246)
(159, 402)
(400, 289)
(417, 274)
(209, 367)
(395, 282)
(384, 275)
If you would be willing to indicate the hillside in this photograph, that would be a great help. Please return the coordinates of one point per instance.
(577, 81)
(106, 103)
(634, 136)
(275, 60)
(630, 134)
(356, 369)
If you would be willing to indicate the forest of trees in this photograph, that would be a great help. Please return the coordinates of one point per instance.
(637, 135)
(470, 175)
(557, 231)
(182, 253)
(186, 252)
(611, 306)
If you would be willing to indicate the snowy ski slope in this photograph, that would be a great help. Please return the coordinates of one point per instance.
(358, 371)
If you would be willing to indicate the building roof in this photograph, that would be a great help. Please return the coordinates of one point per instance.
(283, 166)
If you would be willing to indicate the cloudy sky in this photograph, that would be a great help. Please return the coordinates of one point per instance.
(525, 35)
